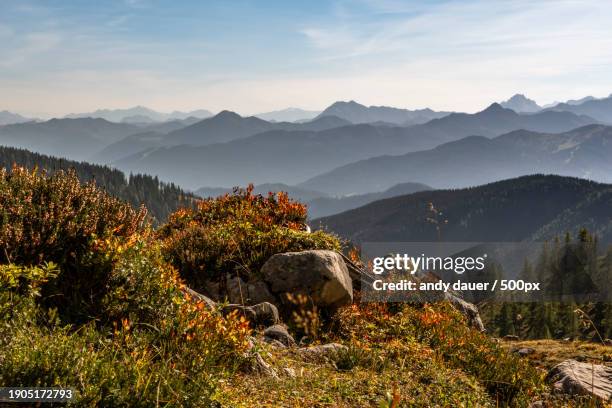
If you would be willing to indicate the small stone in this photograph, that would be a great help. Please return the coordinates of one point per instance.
(524, 351)
(266, 314)
(511, 337)
(280, 333)
(289, 372)
(323, 352)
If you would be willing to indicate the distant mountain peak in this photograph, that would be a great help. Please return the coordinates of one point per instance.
(227, 114)
(521, 104)
(495, 107)
(357, 113)
(9, 118)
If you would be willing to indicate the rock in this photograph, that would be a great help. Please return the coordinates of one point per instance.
(198, 297)
(289, 372)
(280, 333)
(576, 378)
(511, 337)
(469, 310)
(524, 351)
(259, 365)
(258, 292)
(274, 343)
(245, 311)
(325, 352)
(262, 314)
(212, 289)
(248, 293)
(266, 314)
(320, 274)
(236, 290)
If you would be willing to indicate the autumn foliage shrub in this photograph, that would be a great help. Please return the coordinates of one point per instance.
(159, 347)
(87, 301)
(236, 234)
(57, 219)
(510, 380)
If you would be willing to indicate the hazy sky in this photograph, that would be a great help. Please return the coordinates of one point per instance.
(58, 57)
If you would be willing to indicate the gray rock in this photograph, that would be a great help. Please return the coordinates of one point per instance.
(260, 366)
(258, 292)
(320, 274)
(469, 310)
(198, 297)
(280, 333)
(577, 378)
(266, 314)
(324, 352)
(524, 351)
(262, 314)
(274, 343)
(212, 289)
(511, 337)
(236, 290)
(247, 293)
(245, 311)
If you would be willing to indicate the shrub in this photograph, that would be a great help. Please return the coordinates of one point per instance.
(510, 380)
(237, 233)
(57, 219)
(159, 346)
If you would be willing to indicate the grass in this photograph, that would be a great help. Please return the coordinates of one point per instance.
(418, 382)
(549, 353)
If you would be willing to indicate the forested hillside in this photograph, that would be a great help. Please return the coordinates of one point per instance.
(158, 197)
(546, 206)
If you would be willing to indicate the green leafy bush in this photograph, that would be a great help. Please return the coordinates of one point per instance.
(158, 346)
(237, 233)
(57, 219)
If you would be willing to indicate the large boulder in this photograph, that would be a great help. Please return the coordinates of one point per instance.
(577, 378)
(320, 274)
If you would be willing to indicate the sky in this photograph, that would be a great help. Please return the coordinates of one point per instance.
(65, 56)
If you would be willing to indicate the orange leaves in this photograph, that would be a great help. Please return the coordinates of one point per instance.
(237, 233)
(228, 333)
(430, 317)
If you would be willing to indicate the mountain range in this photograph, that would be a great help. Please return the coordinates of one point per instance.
(139, 114)
(293, 156)
(582, 152)
(535, 207)
(357, 113)
(75, 139)
(9, 118)
(599, 109)
(288, 115)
